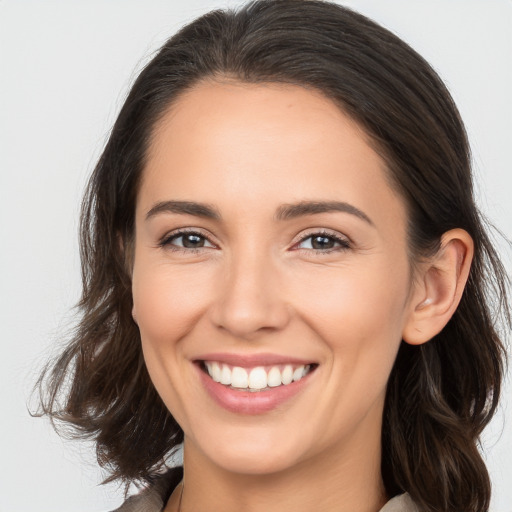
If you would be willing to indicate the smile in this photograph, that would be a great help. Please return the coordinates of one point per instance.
(253, 384)
(259, 378)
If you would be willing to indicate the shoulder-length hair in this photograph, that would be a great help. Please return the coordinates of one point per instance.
(441, 394)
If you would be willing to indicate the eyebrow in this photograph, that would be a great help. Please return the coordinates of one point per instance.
(291, 211)
(186, 208)
(283, 212)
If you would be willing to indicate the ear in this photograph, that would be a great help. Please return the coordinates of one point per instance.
(438, 287)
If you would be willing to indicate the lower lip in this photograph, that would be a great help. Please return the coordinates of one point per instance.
(247, 402)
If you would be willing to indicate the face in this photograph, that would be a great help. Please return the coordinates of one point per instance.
(271, 282)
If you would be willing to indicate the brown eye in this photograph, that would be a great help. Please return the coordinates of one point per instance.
(323, 242)
(184, 240)
(192, 240)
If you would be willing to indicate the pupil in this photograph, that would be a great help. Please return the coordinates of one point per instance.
(322, 242)
(192, 241)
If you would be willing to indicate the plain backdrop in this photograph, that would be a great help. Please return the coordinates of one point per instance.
(65, 68)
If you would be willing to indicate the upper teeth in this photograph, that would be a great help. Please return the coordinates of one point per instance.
(255, 378)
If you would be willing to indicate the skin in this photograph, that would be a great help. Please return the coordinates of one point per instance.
(257, 285)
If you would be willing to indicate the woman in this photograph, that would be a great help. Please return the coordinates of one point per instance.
(284, 270)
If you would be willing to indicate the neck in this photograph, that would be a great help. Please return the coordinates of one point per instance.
(341, 480)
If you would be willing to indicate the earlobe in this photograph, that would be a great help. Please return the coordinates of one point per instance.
(439, 288)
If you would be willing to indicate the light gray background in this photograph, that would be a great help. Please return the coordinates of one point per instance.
(64, 70)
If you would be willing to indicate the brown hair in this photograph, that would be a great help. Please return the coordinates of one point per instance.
(441, 394)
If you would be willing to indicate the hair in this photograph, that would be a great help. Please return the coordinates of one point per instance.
(441, 394)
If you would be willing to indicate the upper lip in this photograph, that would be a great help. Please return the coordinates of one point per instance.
(250, 360)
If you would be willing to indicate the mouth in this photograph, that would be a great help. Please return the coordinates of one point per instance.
(257, 378)
(249, 386)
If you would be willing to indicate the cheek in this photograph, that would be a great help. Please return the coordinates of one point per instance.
(358, 313)
(359, 295)
(357, 317)
(167, 301)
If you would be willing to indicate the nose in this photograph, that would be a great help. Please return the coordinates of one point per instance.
(251, 300)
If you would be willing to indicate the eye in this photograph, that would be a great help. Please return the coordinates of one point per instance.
(323, 242)
(185, 241)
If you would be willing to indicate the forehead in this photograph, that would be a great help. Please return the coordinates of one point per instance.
(244, 113)
(257, 145)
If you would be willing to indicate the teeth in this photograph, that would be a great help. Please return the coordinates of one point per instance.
(298, 373)
(287, 375)
(274, 377)
(225, 377)
(257, 378)
(239, 377)
(216, 372)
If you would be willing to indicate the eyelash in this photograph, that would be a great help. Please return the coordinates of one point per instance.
(344, 243)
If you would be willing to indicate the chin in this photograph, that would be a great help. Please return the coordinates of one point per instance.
(254, 462)
(253, 453)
